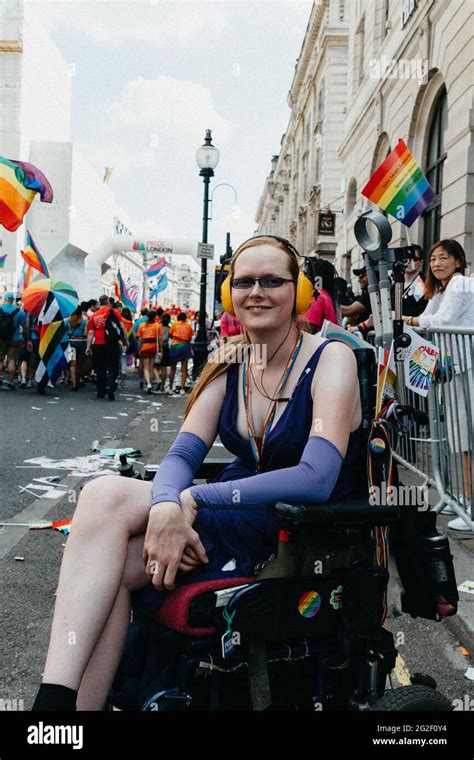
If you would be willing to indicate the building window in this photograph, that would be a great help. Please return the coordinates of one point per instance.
(435, 158)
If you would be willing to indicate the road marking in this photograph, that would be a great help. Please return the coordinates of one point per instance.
(401, 672)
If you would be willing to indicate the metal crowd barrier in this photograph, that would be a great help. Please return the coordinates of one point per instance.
(441, 452)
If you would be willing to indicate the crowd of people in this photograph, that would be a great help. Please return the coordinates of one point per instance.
(105, 340)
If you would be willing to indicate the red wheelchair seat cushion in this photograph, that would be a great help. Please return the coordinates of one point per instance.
(174, 612)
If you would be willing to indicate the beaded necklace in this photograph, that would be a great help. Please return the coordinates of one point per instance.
(257, 444)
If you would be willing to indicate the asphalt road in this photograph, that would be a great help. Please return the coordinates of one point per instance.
(59, 424)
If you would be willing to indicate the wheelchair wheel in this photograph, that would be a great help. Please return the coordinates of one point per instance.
(416, 698)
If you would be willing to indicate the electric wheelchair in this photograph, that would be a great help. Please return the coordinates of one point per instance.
(307, 631)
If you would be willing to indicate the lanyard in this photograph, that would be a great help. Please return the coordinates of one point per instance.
(255, 445)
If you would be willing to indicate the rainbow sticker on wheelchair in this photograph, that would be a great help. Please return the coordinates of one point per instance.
(309, 604)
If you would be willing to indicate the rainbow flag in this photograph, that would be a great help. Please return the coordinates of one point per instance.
(122, 294)
(25, 278)
(155, 268)
(19, 183)
(2, 261)
(33, 257)
(399, 186)
(53, 342)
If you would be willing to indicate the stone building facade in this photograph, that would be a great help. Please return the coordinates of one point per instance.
(403, 69)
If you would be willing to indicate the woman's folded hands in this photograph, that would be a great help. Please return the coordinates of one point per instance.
(171, 544)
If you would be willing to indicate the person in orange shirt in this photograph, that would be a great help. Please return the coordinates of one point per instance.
(150, 335)
(180, 350)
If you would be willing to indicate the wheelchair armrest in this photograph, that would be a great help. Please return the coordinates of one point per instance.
(211, 467)
(354, 512)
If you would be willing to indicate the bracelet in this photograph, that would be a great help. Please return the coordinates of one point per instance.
(362, 326)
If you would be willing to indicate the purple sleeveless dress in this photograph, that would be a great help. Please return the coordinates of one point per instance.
(250, 536)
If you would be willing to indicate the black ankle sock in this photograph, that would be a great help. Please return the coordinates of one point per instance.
(52, 697)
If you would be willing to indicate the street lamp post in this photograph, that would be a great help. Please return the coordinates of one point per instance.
(207, 157)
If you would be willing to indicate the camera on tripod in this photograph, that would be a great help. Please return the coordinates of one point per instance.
(405, 253)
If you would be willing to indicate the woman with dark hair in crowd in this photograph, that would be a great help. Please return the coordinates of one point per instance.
(450, 296)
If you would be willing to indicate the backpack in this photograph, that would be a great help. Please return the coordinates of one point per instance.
(113, 329)
(7, 324)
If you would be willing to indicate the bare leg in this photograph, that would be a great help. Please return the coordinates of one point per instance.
(11, 370)
(147, 366)
(172, 374)
(105, 659)
(110, 511)
(184, 373)
(72, 369)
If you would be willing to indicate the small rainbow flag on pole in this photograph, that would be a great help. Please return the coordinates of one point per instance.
(33, 257)
(19, 183)
(399, 187)
(122, 294)
(156, 268)
(24, 278)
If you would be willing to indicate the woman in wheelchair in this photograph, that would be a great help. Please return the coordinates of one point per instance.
(285, 403)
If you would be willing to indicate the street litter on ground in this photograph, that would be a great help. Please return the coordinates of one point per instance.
(467, 587)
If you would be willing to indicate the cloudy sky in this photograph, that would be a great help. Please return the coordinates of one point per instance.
(150, 77)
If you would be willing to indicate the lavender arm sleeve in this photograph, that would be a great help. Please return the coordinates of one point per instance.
(178, 468)
(313, 479)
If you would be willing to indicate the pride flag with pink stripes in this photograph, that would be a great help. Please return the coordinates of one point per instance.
(156, 268)
(399, 186)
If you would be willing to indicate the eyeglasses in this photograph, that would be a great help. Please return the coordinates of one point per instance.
(267, 282)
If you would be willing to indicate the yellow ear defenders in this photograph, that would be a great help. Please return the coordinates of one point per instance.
(304, 286)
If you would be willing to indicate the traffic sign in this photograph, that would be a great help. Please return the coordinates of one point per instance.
(205, 251)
